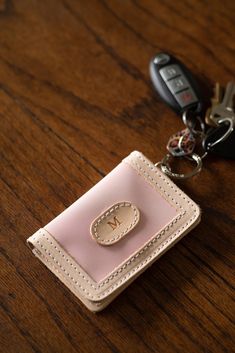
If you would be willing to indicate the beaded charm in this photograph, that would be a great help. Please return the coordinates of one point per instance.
(181, 144)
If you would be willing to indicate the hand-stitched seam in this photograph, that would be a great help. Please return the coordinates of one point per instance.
(140, 265)
(47, 251)
(143, 249)
(160, 175)
(121, 268)
(66, 258)
(96, 287)
(153, 181)
(101, 218)
(66, 280)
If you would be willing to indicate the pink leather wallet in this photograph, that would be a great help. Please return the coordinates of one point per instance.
(111, 234)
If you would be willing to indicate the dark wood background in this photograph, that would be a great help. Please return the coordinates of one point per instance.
(75, 98)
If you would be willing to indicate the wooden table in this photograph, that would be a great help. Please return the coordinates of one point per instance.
(75, 98)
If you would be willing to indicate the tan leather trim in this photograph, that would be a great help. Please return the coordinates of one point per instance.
(114, 223)
(96, 295)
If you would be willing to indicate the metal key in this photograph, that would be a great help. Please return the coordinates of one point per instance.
(215, 100)
(225, 109)
(220, 138)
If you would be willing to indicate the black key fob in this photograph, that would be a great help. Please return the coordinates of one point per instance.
(175, 84)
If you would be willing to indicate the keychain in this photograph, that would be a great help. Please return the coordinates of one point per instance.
(215, 134)
(123, 224)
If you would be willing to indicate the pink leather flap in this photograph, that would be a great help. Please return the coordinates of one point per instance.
(72, 227)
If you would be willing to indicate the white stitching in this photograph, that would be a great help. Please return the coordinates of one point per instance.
(56, 270)
(155, 182)
(142, 250)
(106, 214)
(121, 269)
(67, 259)
(101, 284)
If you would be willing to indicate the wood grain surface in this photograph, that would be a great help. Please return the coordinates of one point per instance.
(76, 98)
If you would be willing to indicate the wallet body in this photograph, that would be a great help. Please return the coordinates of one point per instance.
(112, 233)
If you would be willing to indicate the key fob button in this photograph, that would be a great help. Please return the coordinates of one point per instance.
(177, 84)
(170, 72)
(186, 98)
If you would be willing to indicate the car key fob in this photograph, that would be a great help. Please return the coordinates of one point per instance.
(175, 84)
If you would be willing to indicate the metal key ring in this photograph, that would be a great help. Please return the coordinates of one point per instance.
(187, 120)
(226, 134)
(166, 169)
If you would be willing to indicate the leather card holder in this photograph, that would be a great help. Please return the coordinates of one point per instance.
(112, 233)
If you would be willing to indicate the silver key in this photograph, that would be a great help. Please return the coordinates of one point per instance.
(215, 100)
(225, 109)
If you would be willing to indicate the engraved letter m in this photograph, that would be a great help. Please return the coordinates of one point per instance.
(115, 223)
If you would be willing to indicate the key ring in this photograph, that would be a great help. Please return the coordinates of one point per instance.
(191, 120)
(166, 169)
(225, 135)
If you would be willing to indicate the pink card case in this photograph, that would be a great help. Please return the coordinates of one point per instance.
(111, 234)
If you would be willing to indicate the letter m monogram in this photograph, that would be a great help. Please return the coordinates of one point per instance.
(115, 223)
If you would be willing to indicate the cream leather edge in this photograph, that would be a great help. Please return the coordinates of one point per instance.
(95, 296)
